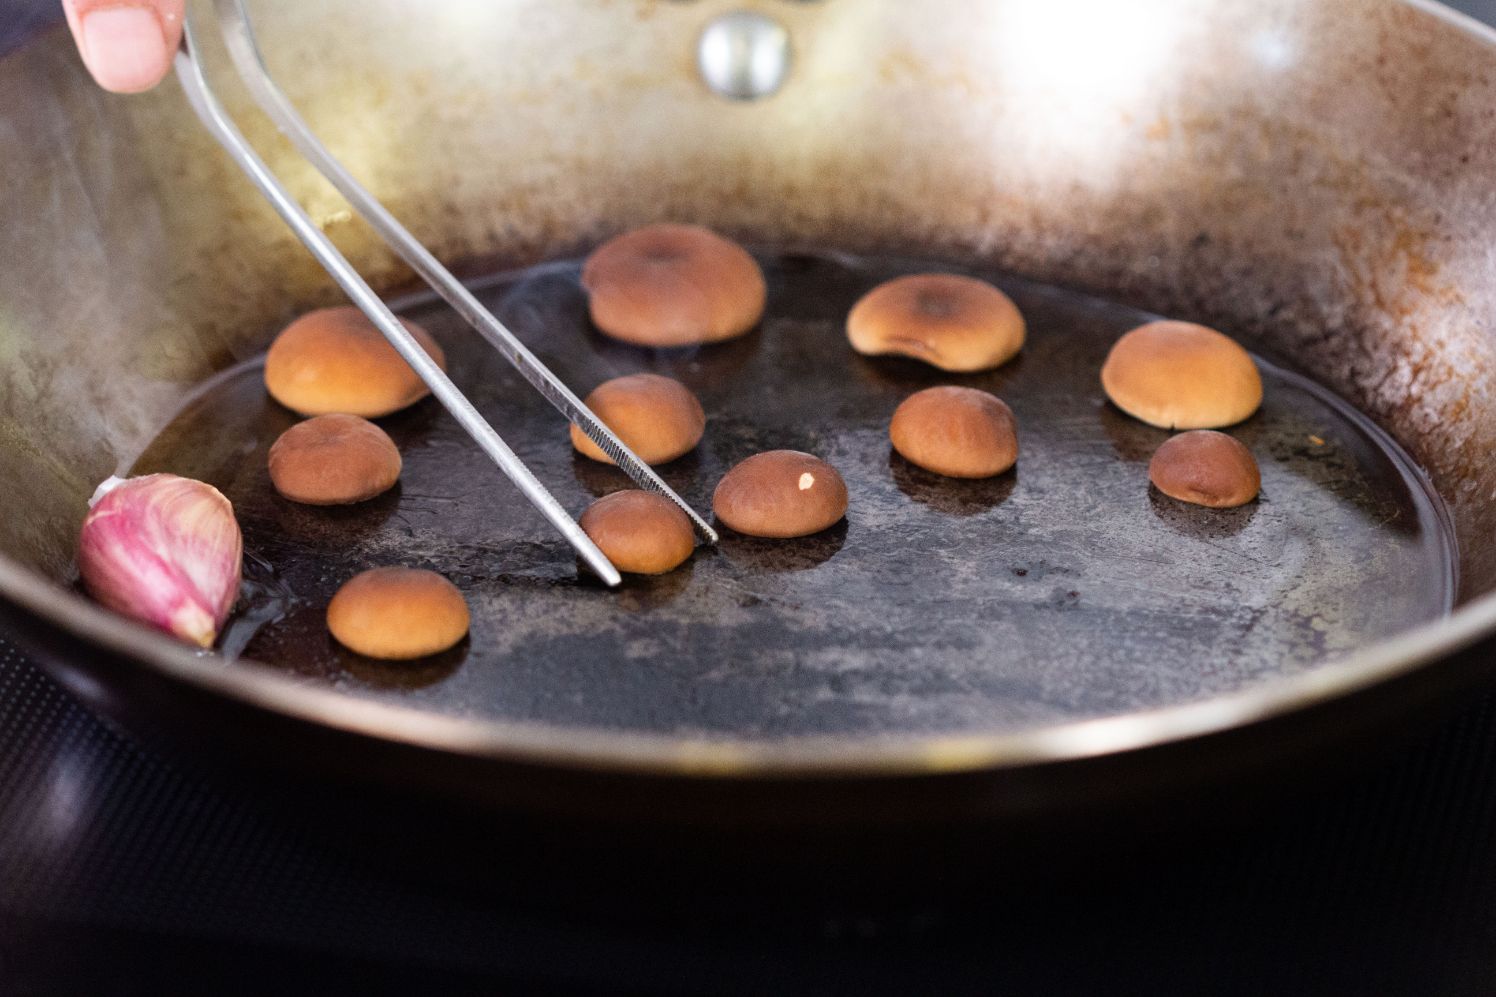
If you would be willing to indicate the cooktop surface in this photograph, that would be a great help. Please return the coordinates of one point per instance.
(125, 871)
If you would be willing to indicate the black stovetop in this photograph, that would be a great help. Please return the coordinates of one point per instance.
(125, 872)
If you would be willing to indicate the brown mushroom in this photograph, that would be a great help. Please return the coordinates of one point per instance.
(781, 494)
(334, 460)
(658, 418)
(1206, 468)
(398, 614)
(952, 322)
(957, 432)
(640, 532)
(1179, 375)
(335, 360)
(673, 285)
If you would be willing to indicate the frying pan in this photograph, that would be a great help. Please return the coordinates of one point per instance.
(1312, 176)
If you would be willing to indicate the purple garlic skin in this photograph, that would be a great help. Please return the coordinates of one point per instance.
(165, 551)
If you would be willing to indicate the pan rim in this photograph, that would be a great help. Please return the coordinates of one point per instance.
(601, 750)
(811, 757)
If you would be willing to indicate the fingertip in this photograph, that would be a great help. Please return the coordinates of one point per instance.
(124, 48)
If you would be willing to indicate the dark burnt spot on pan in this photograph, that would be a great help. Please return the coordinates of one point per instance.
(1064, 600)
(1040, 569)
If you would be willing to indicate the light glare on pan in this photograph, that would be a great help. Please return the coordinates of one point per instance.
(1088, 54)
(1081, 82)
(1273, 48)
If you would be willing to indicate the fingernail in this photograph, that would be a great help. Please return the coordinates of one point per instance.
(125, 49)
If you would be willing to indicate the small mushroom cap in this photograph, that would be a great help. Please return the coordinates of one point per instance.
(673, 285)
(398, 614)
(640, 532)
(656, 416)
(1179, 375)
(1206, 468)
(334, 460)
(781, 494)
(957, 432)
(952, 322)
(335, 360)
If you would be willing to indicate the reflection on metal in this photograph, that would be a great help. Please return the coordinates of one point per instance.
(1076, 69)
(744, 55)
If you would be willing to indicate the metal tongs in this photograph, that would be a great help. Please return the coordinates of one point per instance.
(234, 21)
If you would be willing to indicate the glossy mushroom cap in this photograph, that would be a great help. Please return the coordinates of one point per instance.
(673, 285)
(657, 417)
(951, 322)
(781, 494)
(398, 614)
(957, 432)
(335, 360)
(642, 533)
(1178, 375)
(334, 460)
(1206, 468)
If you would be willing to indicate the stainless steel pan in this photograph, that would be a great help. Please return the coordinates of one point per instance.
(1312, 175)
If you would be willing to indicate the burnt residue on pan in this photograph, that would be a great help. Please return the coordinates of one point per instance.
(1062, 590)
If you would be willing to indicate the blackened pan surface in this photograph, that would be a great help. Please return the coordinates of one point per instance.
(1064, 590)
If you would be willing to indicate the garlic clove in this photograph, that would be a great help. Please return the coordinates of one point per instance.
(166, 551)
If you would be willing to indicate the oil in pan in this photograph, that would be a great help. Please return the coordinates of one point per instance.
(1062, 590)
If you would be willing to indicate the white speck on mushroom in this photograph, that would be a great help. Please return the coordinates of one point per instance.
(806, 480)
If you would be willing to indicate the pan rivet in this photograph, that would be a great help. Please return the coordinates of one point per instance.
(744, 55)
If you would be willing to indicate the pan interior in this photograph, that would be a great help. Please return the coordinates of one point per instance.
(1064, 590)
